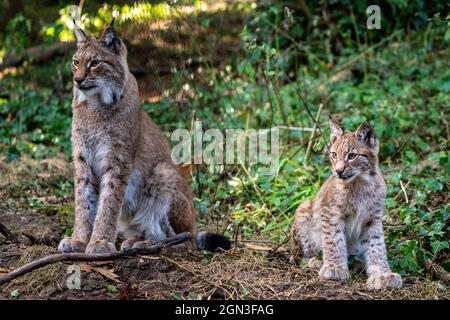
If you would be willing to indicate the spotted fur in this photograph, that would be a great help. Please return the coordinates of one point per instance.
(345, 217)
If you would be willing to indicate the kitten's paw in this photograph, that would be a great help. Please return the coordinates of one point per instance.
(144, 244)
(70, 244)
(334, 272)
(100, 246)
(377, 281)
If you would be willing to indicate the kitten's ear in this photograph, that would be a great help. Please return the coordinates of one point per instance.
(366, 134)
(81, 35)
(336, 129)
(110, 39)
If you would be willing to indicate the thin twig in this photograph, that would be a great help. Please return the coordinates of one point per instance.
(400, 192)
(404, 191)
(8, 234)
(60, 257)
(272, 108)
(310, 142)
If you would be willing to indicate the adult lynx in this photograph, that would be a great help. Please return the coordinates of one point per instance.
(345, 217)
(124, 176)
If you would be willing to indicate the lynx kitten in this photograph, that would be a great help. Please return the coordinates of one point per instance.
(124, 175)
(345, 217)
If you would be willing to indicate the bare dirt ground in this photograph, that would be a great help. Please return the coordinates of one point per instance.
(31, 208)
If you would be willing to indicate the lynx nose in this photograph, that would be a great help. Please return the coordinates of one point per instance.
(78, 80)
(340, 171)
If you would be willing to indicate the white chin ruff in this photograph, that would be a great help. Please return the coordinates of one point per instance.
(103, 94)
(107, 95)
(80, 97)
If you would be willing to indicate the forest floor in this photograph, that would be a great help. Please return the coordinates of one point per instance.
(36, 204)
(251, 270)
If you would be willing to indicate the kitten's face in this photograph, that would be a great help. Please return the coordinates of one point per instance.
(99, 67)
(353, 154)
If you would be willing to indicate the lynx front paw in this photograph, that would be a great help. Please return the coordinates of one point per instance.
(379, 281)
(334, 272)
(100, 246)
(70, 244)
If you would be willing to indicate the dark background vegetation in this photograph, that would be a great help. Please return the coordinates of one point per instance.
(248, 64)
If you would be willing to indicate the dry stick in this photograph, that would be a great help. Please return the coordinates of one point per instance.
(437, 270)
(400, 192)
(8, 234)
(310, 143)
(60, 257)
(404, 191)
(305, 104)
(272, 108)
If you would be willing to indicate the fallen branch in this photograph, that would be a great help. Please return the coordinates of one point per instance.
(60, 257)
(38, 53)
(8, 234)
(440, 272)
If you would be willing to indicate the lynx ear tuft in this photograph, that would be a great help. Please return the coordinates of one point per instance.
(81, 35)
(366, 134)
(336, 129)
(110, 39)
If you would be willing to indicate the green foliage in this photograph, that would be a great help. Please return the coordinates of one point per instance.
(15, 293)
(35, 121)
(15, 38)
(112, 288)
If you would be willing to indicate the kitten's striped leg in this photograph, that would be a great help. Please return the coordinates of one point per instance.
(306, 239)
(335, 265)
(377, 266)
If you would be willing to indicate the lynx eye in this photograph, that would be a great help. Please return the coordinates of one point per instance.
(352, 156)
(334, 155)
(95, 63)
(75, 63)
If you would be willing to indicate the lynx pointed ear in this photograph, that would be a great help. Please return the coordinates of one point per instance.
(336, 129)
(366, 134)
(81, 35)
(110, 38)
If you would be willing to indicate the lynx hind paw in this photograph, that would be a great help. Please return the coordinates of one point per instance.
(129, 243)
(100, 246)
(379, 281)
(334, 272)
(69, 244)
(144, 244)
